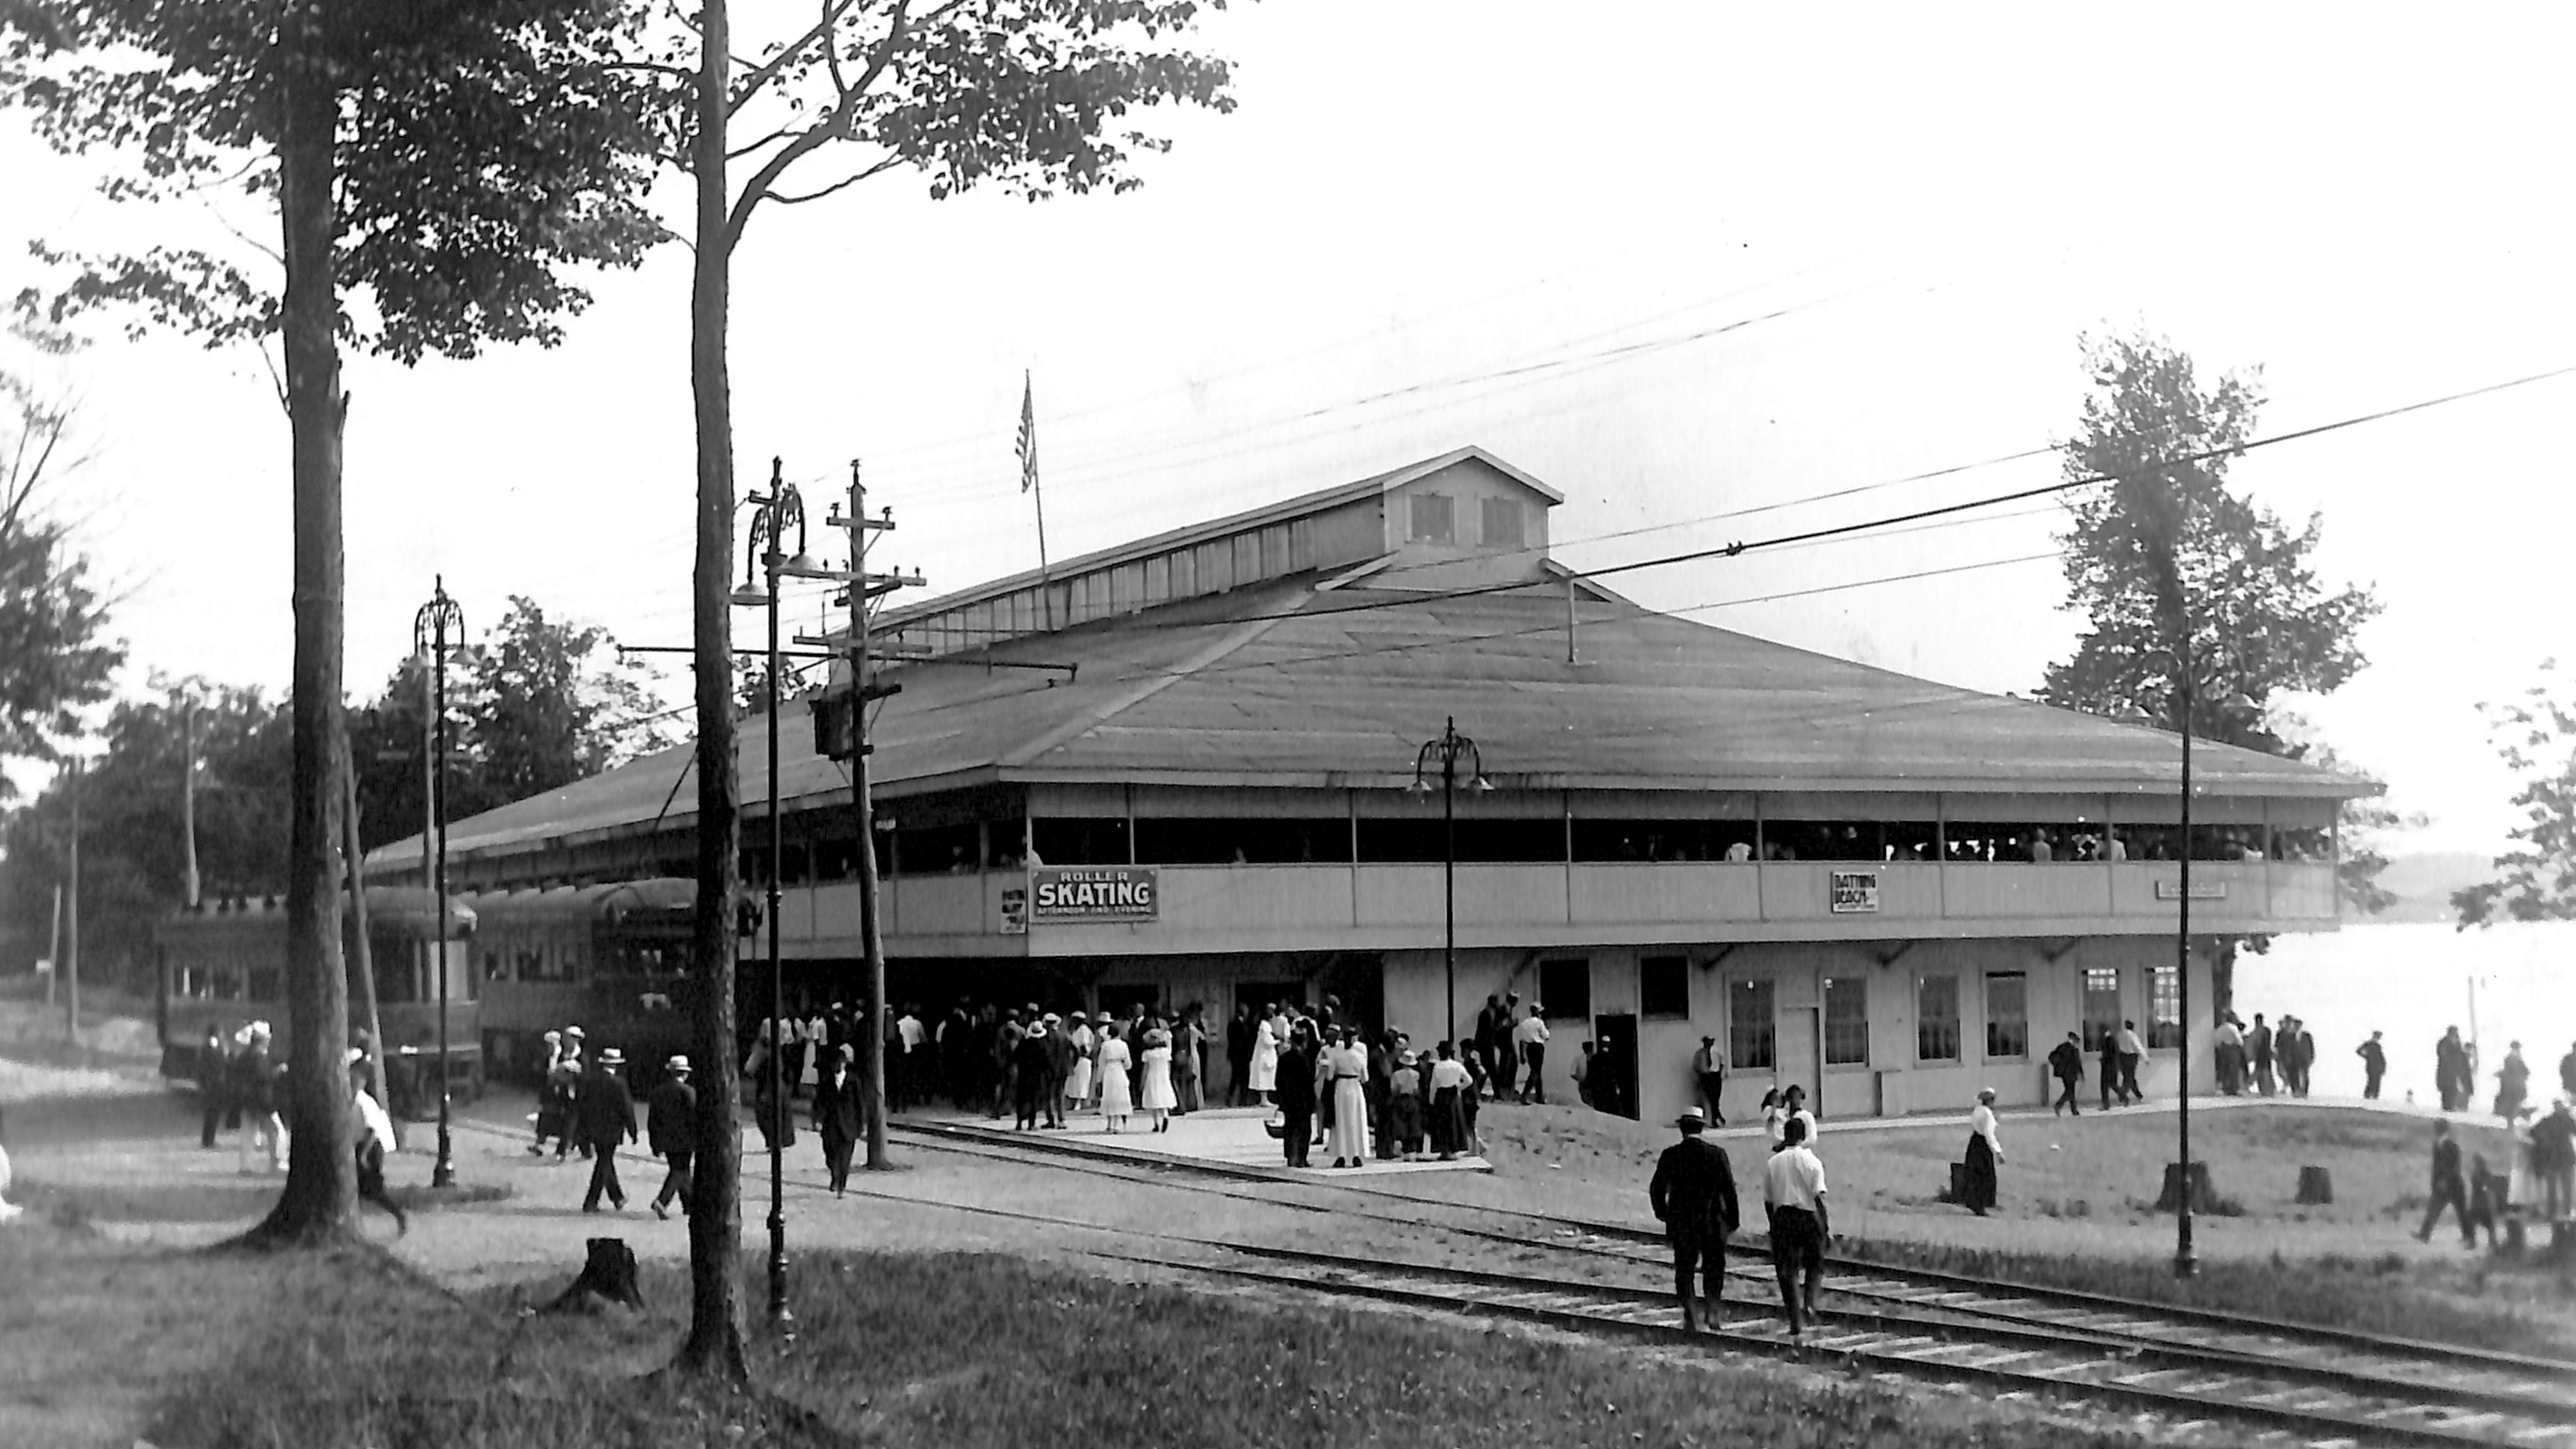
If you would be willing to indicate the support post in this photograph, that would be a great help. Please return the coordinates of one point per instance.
(2186, 1263)
(71, 939)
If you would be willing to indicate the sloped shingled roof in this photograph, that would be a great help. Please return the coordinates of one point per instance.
(1301, 683)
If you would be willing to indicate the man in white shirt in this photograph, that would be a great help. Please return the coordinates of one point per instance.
(1529, 1039)
(375, 1139)
(1793, 1190)
(2131, 1051)
(1793, 1108)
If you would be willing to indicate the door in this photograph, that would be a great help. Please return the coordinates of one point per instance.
(1801, 1060)
(1614, 1065)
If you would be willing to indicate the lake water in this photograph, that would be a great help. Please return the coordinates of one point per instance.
(2410, 982)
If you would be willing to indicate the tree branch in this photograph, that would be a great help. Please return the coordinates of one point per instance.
(772, 139)
(838, 126)
(768, 71)
(846, 182)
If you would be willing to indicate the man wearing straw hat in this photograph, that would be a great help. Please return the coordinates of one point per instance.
(606, 1112)
(1693, 1193)
(672, 1119)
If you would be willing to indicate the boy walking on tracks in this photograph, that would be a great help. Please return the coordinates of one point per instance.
(1793, 1188)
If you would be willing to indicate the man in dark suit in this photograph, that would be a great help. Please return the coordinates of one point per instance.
(607, 1116)
(1693, 1192)
(673, 1122)
(2066, 1063)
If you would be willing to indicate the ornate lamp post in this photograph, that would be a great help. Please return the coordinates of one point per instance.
(429, 630)
(778, 508)
(1448, 750)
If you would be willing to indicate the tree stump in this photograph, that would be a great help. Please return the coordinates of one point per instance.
(2203, 1198)
(608, 1277)
(2316, 1186)
(1958, 1189)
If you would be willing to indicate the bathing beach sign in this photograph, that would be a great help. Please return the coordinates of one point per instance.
(1855, 893)
(1094, 893)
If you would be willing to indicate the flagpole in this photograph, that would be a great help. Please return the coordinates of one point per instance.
(1030, 485)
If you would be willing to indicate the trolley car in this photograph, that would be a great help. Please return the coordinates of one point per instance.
(223, 966)
(612, 959)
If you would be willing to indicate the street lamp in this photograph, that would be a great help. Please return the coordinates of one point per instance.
(2186, 1263)
(429, 631)
(778, 508)
(1448, 750)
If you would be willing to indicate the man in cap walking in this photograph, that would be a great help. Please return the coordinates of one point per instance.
(672, 1119)
(607, 1115)
(1693, 1193)
(1529, 1042)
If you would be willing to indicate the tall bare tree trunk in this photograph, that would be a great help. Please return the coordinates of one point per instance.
(321, 1179)
(714, 1346)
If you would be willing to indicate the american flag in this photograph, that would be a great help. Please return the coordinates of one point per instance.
(1028, 435)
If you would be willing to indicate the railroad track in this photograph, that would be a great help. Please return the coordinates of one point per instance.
(1922, 1320)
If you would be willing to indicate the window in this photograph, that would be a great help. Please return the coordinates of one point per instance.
(1426, 841)
(1565, 989)
(1936, 1019)
(2101, 1004)
(2007, 1015)
(1432, 518)
(2164, 1008)
(1188, 840)
(937, 850)
(1502, 523)
(1660, 840)
(1846, 1021)
(1079, 840)
(1751, 1033)
(1663, 986)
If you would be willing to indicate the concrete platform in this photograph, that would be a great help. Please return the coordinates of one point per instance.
(1223, 1137)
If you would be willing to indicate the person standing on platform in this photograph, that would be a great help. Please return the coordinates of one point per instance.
(840, 1115)
(1507, 1047)
(672, 1121)
(1267, 1039)
(1404, 1107)
(1448, 1121)
(1031, 1070)
(1293, 1079)
(1059, 1067)
(2227, 1050)
(1489, 1030)
(2450, 1189)
(1115, 1058)
(1238, 1056)
(607, 1118)
(1189, 1050)
(2132, 1051)
(1985, 1154)
(1693, 1194)
(1077, 1082)
(1708, 1069)
(1529, 1039)
(2066, 1063)
(1154, 1095)
(1793, 1190)
(1346, 1067)
(2258, 1044)
(2374, 1065)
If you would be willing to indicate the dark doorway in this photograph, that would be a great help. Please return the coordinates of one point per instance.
(1358, 982)
(1613, 1077)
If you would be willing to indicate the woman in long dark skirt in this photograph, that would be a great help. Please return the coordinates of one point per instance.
(1448, 1082)
(1985, 1150)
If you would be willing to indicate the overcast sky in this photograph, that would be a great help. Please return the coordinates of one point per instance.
(1677, 260)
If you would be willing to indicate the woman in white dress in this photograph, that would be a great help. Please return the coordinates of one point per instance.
(1347, 1067)
(1077, 1082)
(1154, 1094)
(1265, 1059)
(1114, 1059)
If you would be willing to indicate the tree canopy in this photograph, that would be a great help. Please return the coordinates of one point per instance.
(2535, 735)
(2167, 557)
(55, 660)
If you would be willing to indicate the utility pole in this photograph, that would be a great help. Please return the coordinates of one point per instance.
(841, 730)
(71, 942)
(188, 797)
(54, 948)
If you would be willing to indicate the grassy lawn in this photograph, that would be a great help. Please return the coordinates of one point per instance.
(201, 1351)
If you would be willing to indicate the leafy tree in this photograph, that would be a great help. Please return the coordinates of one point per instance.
(1029, 95)
(445, 160)
(2362, 826)
(2174, 572)
(53, 661)
(2536, 737)
(554, 703)
(133, 857)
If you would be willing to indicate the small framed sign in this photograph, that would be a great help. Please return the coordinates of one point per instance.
(1854, 893)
